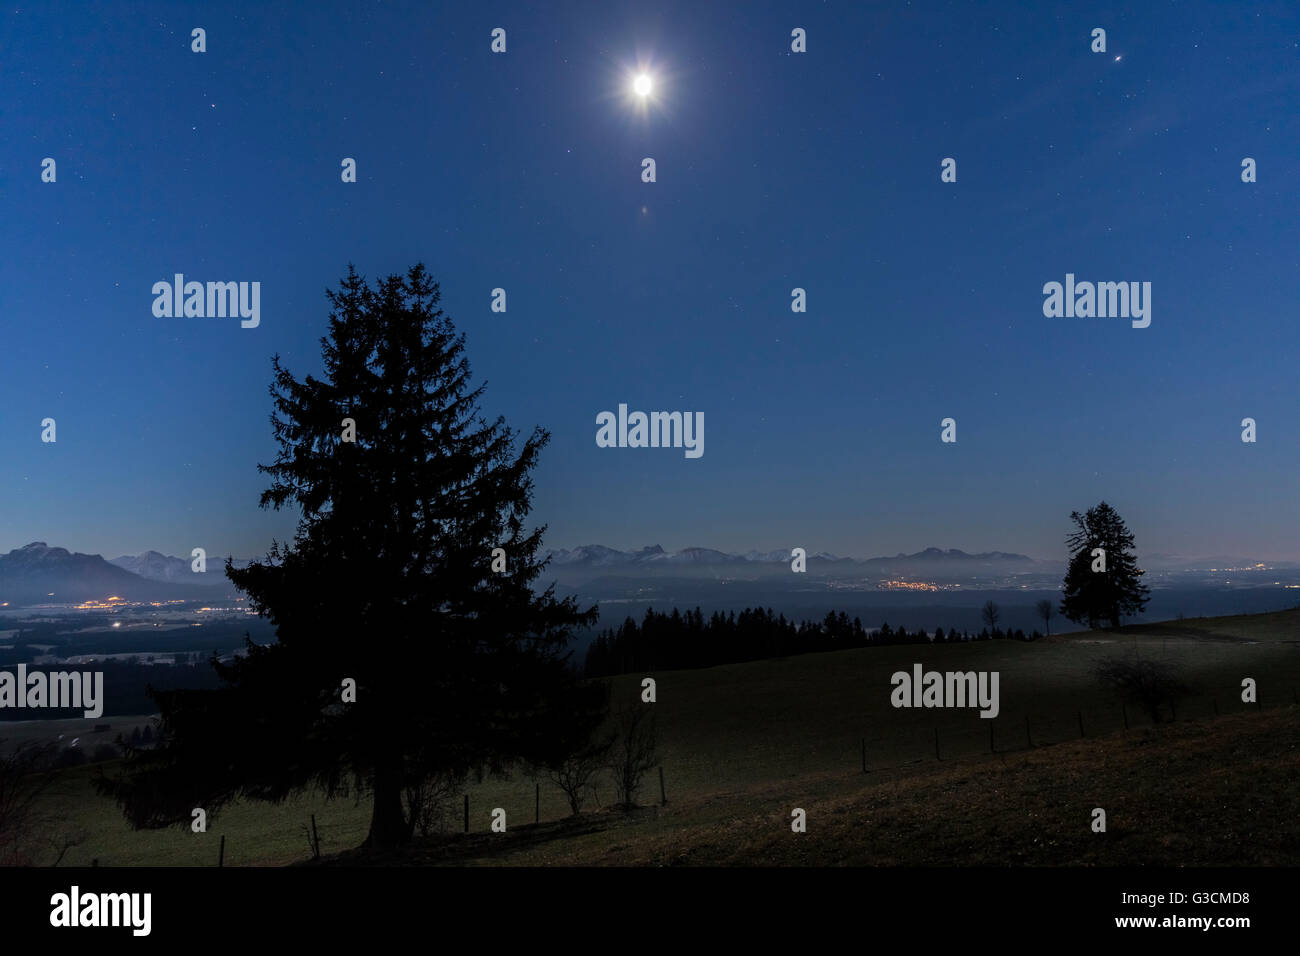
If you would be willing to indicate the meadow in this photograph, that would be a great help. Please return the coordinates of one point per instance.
(741, 745)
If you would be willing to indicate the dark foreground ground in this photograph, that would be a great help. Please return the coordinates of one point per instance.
(1215, 792)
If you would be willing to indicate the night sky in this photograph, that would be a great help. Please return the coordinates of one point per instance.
(775, 170)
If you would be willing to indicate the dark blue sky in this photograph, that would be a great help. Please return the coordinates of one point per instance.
(775, 170)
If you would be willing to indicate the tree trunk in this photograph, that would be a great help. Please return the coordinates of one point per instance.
(388, 824)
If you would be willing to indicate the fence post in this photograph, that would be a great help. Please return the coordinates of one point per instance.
(221, 854)
(467, 813)
(936, 744)
(663, 796)
(315, 838)
(1080, 725)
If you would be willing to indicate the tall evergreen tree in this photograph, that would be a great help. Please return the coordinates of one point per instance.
(458, 666)
(1096, 596)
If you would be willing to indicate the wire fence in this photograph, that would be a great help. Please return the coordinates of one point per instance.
(1017, 731)
(903, 748)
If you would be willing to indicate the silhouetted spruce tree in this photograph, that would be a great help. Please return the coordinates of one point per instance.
(388, 583)
(1095, 596)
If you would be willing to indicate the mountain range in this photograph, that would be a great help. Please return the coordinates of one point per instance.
(154, 566)
(597, 555)
(594, 560)
(39, 574)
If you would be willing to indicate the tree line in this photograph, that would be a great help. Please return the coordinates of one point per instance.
(686, 640)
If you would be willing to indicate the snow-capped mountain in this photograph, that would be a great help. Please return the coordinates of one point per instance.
(39, 574)
(597, 556)
(781, 554)
(700, 556)
(154, 566)
(600, 556)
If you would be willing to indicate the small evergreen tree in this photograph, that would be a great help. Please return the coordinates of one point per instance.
(1094, 596)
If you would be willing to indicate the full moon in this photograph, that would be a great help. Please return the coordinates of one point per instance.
(642, 85)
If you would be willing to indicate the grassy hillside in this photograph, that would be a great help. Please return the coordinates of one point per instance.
(742, 744)
(1222, 791)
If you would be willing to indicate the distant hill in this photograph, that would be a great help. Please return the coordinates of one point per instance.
(154, 566)
(654, 560)
(39, 574)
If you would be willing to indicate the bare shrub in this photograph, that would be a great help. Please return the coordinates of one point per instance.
(576, 775)
(23, 778)
(429, 804)
(634, 751)
(1152, 685)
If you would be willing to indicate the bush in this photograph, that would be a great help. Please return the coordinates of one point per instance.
(429, 804)
(575, 774)
(1150, 684)
(634, 752)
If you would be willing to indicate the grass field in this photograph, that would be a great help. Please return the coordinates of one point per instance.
(1223, 791)
(743, 744)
